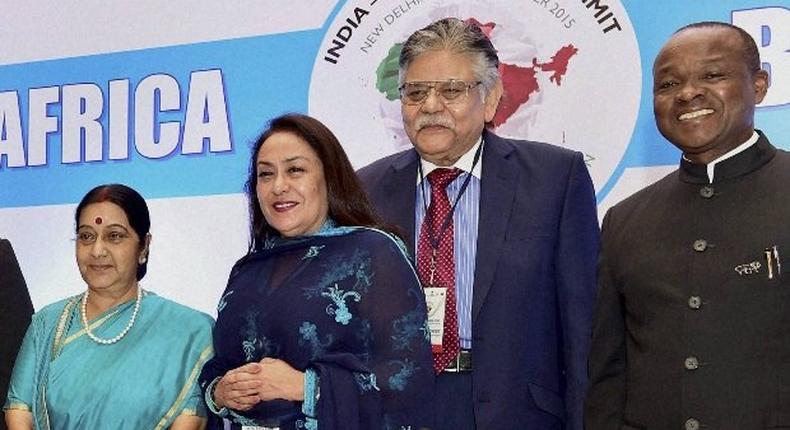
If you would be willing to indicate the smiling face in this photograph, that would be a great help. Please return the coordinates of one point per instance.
(108, 249)
(704, 93)
(443, 133)
(291, 187)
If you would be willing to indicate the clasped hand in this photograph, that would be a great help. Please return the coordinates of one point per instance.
(244, 387)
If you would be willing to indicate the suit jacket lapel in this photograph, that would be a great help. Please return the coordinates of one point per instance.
(395, 204)
(497, 191)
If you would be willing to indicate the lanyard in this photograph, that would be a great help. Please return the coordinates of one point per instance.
(434, 240)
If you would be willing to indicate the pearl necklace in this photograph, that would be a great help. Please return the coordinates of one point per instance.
(122, 333)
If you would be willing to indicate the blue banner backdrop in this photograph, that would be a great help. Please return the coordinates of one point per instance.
(176, 121)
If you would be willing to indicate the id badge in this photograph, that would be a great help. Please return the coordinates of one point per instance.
(436, 300)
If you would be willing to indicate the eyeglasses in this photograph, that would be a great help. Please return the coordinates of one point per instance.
(450, 91)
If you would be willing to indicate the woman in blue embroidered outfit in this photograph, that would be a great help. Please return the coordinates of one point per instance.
(115, 356)
(323, 323)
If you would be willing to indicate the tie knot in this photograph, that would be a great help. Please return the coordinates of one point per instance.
(440, 178)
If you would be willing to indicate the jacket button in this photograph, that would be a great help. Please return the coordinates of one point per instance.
(692, 424)
(695, 302)
(700, 245)
(706, 192)
(691, 363)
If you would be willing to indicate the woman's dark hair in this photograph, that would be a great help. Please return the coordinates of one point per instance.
(348, 204)
(133, 205)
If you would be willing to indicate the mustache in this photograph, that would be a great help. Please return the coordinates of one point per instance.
(431, 120)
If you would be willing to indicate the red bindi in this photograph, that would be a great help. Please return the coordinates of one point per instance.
(98, 220)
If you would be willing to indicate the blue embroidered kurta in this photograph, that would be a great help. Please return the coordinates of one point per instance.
(346, 303)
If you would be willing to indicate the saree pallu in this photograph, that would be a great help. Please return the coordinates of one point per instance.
(345, 303)
(144, 381)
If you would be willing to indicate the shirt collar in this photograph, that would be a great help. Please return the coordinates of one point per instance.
(748, 160)
(735, 151)
(711, 167)
(464, 163)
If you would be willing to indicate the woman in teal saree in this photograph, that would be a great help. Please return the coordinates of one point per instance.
(116, 356)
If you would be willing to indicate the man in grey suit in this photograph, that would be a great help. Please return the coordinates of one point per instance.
(15, 312)
(508, 250)
(691, 329)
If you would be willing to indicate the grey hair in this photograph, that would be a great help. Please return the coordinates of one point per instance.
(457, 36)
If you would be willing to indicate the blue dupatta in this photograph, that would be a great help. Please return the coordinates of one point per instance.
(345, 303)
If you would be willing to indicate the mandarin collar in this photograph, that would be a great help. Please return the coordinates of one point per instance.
(745, 162)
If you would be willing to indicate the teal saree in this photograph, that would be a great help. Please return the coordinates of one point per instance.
(144, 381)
